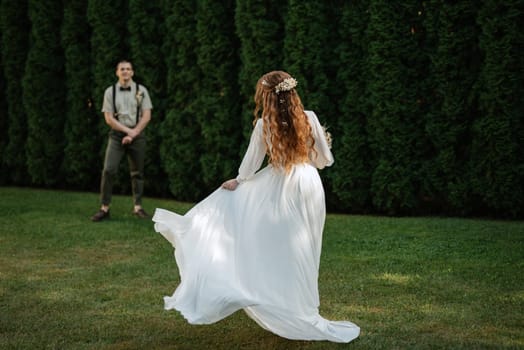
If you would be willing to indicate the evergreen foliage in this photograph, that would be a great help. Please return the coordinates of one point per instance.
(81, 161)
(455, 66)
(180, 131)
(422, 97)
(260, 29)
(3, 119)
(497, 161)
(44, 94)
(15, 24)
(218, 108)
(351, 171)
(307, 33)
(394, 125)
(146, 29)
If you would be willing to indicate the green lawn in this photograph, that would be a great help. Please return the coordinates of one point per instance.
(409, 283)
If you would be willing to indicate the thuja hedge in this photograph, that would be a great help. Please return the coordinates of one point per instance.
(180, 147)
(3, 121)
(353, 187)
(43, 91)
(217, 108)
(423, 98)
(14, 25)
(81, 125)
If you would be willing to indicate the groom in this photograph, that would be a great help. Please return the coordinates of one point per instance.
(127, 110)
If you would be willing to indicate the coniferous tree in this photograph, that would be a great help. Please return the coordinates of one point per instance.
(15, 25)
(351, 171)
(260, 28)
(307, 53)
(109, 45)
(453, 32)
(3, 118)
(81, 160)
(418, 84)
(422, 97)
(497, 161)
(44, 93)
(180, 131)
(146, 28)
(394, 126)
(218, 96)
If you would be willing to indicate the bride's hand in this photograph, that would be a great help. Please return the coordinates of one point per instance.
(230, 185)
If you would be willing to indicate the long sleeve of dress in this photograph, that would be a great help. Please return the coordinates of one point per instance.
(255, 154)
(322, 156)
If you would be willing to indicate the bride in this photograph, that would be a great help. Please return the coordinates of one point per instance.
(255, 243)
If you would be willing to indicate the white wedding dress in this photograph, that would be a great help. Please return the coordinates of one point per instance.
(257, 248)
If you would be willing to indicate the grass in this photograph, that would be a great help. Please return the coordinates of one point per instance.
(409, 283)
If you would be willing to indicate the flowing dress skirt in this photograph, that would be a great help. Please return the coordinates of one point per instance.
(258, 249)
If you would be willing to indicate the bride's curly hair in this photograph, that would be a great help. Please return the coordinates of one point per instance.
(286, 125)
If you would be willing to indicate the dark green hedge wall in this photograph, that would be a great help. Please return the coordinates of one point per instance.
(81, 125)
(217, 99)
(455, 56)
(423, 98)
(3, 118)
(351, 175)
(497, 160)
(44, 94)
(15, 27)
(180, 132)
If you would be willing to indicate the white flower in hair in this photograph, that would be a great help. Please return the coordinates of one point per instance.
(286, 85)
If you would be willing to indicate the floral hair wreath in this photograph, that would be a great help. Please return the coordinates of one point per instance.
(285, 85)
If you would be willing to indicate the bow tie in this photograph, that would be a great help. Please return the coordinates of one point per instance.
(125, 88)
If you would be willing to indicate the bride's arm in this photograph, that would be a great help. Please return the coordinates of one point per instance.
(322, 156)
(253, 158)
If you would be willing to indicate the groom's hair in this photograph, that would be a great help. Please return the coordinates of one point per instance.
(124, 60)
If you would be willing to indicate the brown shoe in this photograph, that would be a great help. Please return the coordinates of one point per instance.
(141, 213)
(100, 215)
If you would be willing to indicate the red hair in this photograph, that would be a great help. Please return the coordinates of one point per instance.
(287, 132)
